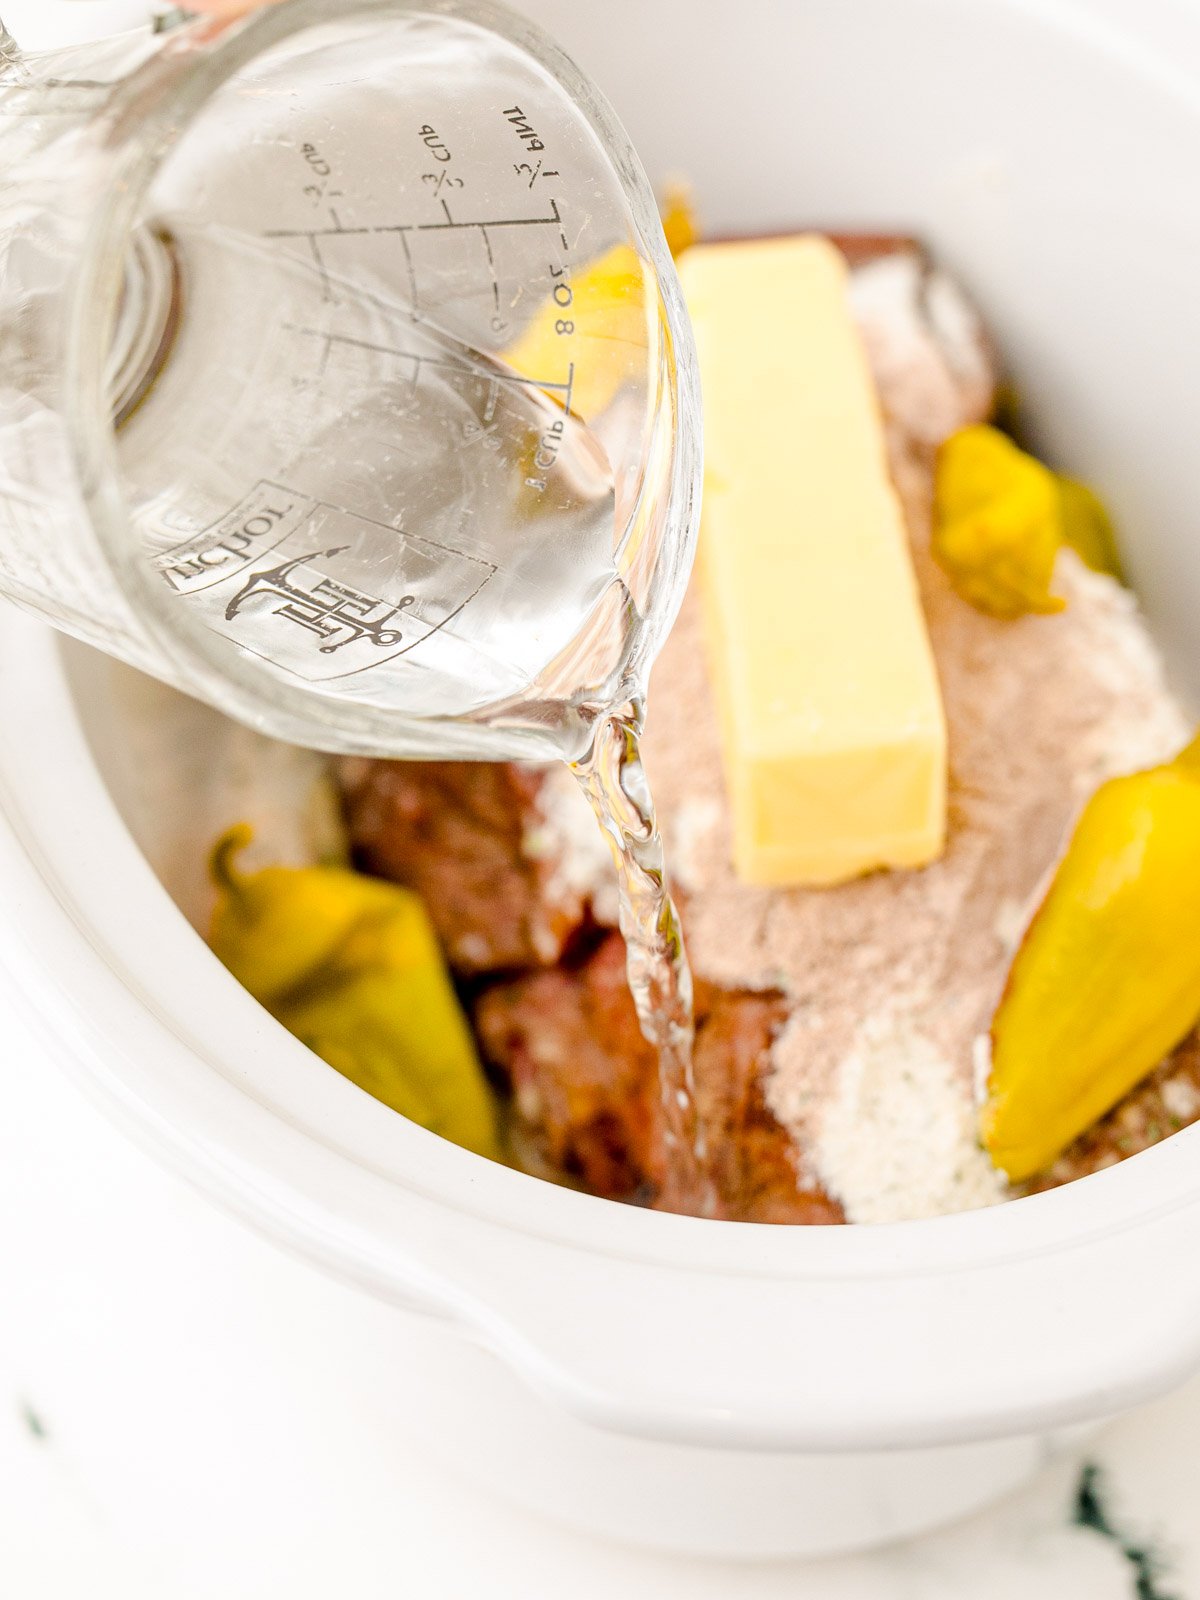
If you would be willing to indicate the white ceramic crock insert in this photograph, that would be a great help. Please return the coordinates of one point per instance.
(693, 1384)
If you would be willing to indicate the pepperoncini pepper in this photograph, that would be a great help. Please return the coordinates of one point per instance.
(679, 218)
(1107, 978)
(1000, 519)
(351, 966)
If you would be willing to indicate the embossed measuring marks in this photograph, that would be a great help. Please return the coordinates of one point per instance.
(318, 238)
(409, 401)
(447, 362)
(441, 285)
(495, 372)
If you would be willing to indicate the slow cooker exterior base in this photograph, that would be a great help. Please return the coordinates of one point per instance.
(197, 1376)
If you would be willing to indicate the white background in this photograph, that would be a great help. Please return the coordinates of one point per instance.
(448, 1542)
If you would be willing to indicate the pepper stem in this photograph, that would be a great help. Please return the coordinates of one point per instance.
(220, 863)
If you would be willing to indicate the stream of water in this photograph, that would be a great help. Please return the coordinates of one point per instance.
(660, 980)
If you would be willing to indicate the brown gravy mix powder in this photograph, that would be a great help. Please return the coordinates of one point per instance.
(892, 979)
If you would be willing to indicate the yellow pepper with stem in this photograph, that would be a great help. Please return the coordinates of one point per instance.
(351, 966)
(1000, 518)
(1107, 978)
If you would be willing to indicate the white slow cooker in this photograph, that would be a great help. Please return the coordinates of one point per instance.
(683, 1384)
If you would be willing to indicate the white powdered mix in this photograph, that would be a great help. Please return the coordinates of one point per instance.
(926, 346)
(897, 1138)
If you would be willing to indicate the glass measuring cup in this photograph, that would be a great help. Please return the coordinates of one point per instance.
(344, 379)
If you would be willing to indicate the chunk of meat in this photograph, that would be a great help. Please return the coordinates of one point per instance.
(459, 833)
(585, 1087)
(583, 1077)
(754, 1162)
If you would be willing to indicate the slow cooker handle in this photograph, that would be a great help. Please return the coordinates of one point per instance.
(939, 1348)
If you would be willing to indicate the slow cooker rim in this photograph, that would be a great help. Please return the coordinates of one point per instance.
(1109, 1216)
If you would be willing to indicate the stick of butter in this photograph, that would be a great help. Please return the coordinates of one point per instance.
(832, 719)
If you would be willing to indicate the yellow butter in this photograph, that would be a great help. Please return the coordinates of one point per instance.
(834, 733)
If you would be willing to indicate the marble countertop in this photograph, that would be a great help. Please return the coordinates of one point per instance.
(444, 1541)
